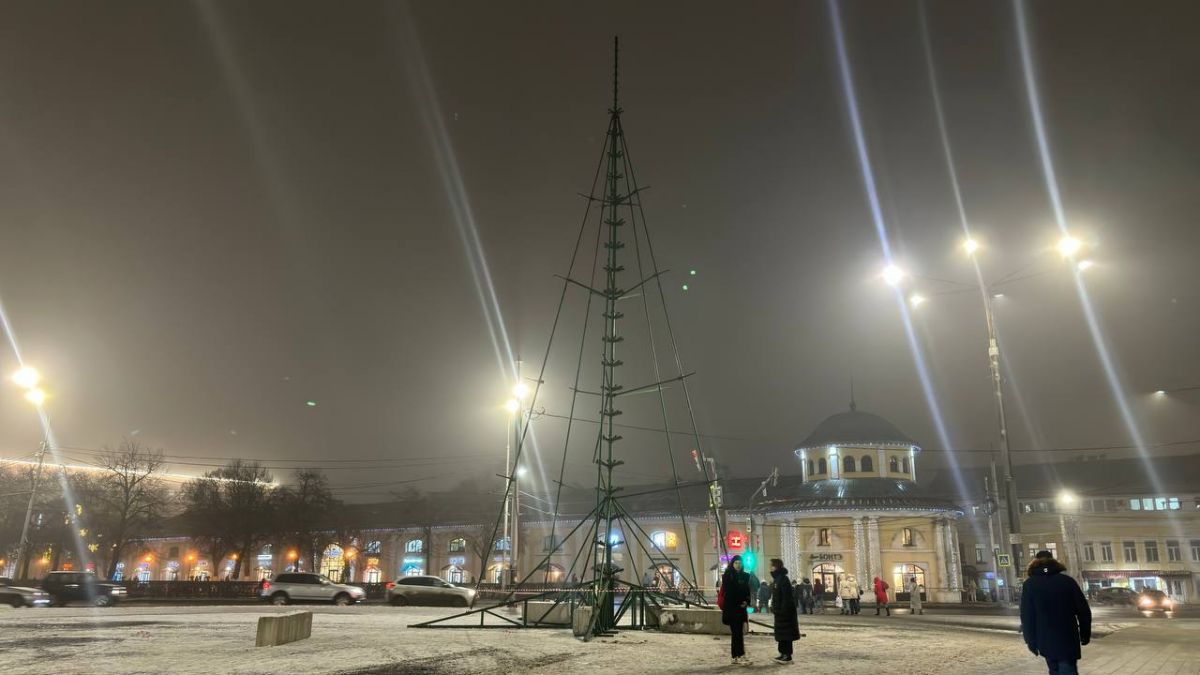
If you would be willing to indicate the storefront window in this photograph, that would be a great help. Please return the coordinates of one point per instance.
(458, 545)
(904, 572)
(412, 566)
(830, 576)
(414, 546)
(333, 562)
(665, 541)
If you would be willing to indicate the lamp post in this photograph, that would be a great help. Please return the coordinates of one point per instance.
(1068, 527)
(772, 479)
(28, 378)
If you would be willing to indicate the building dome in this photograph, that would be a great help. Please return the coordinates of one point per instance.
(856, 428)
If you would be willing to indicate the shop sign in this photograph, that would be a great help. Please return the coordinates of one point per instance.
(825, 557)
(458, 560)
(735, 540)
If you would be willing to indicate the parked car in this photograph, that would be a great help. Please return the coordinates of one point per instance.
(429, 590)
(21, 596)
(291, 587)
(1155, 601)
(64, 587)
(1115, 595)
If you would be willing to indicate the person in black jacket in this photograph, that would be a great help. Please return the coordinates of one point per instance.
(1055, 617)
(787, 624)
(735, 584)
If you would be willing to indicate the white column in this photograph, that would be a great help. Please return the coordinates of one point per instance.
(939, 554)
(874, 555)
(835, 467)
(860, 552)
(881, 467)
(952, 560)
(789, 548)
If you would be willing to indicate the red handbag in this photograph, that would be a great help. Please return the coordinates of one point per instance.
(721, 597)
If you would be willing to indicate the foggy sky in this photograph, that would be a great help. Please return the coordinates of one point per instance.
(211, 214)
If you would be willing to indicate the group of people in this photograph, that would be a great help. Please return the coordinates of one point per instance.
(735, 597)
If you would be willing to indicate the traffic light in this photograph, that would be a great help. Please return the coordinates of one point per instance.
(748, 561)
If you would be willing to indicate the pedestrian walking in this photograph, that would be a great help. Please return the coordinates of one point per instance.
(848, 594)
(914, 596)
(783, 604)
(819, 595)
(1055, 618)
(881, 596)
(733, 599)
(764, 596)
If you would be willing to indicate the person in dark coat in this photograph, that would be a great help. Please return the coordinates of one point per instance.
(804, 592)
(764, 597)
(1055, 617)
(819, 595)
(787, 624)
(735, 585)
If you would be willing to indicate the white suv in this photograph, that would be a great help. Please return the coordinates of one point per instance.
(428, 590)
(291, 587)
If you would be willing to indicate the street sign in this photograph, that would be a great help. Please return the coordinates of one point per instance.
(1014, 538)
(1004, 560)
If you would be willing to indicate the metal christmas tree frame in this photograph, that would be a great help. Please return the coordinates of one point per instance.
(601, 584)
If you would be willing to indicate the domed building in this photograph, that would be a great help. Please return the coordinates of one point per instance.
(858, 510)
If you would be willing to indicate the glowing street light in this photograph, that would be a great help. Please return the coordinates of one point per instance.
(1084, 265)
(520, 390)
(512, 405)
(1066, 498)
(916, 300)
(1160, 392)
(1069, 246)
(893, 275)
(970, 246)
(27, 377)
(35, 396)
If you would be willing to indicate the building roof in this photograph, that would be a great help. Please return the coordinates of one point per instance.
(853, 427)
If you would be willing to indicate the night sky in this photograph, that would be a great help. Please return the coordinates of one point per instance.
(213, 213)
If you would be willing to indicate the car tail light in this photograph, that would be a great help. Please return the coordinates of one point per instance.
(390, 585)
(266, 586)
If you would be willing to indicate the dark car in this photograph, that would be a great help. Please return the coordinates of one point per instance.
(1115, 595)
(65, 587)
(20, 596)
(1155, 601)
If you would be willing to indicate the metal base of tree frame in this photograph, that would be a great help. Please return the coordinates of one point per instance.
(601, 585)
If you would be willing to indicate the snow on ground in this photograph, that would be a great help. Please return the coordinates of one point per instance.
(376, 640)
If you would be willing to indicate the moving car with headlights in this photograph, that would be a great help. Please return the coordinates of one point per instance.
(291, 587)
(20, 596)
(1155, 601)
(428, 590)
(64, 587)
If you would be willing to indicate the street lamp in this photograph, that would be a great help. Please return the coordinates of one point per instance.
(27, 377)
(893, 275)
(916, 300)
(970, 246)
(1069, 246)
(1068, 528)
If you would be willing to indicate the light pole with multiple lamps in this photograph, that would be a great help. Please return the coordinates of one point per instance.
(28, 379)
(1068, 247)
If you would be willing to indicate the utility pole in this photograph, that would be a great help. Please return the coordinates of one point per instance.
(1012, 506)
(773, 480)
(23, 547)
(990, 489)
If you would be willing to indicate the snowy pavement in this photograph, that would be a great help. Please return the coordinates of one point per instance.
(376, 640)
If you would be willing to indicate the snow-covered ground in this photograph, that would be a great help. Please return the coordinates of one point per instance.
(370, 640)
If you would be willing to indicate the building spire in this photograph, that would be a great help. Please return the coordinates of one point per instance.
(853, 404)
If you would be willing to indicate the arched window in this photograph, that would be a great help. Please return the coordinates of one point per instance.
(458, 545)
(905, 464)
(906, 536)
(665, 541)
(414, 546)
(823, 537)
(550, 542)
(893, 465)
(503, 544)
(810, 468)
(374, 547)
(867, 464)
(848, 464)
(822, 467)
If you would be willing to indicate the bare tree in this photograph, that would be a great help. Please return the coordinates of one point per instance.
(232, 508)
(306, 507)
(126, 500)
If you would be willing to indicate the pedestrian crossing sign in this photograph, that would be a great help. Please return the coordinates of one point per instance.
(1004, 560)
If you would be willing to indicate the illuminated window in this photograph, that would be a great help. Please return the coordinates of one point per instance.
(458, 545)
(866, 464)
(374, 547)
(665, 541)
(906, 536)
(414, 546)
(503, 544)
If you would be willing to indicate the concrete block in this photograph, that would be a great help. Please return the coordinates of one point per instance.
(687, 620)
(580, 620)
(280, 629)
(547, 612)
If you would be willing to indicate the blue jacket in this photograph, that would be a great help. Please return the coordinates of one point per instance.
(1055, 617)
